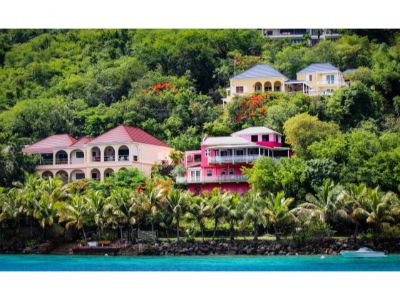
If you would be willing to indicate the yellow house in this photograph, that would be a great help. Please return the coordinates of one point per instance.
(322, 78)
(259, 78)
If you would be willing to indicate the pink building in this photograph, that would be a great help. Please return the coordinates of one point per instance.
(119, 148)
(219, 161)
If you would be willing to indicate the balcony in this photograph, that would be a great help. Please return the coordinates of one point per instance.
(326, 82)
(232, 159)
(109, 158)
(46, 162)
(123, 157)
(61, 161)
(212, 179)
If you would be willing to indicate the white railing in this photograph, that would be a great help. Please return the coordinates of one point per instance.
(232, 159)
(123, 157)
(203, 179)
(326, 82)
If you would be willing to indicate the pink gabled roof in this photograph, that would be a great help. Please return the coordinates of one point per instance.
(48, 144)
(82, 141)
(124, 133)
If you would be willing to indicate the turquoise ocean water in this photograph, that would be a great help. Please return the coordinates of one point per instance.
(196, 263)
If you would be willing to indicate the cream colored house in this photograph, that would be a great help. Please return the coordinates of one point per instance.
(322, 78)
(256, 79)
(119, 148)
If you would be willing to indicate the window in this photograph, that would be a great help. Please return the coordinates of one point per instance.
(231, 171)
(197, 157)
(209, 172)
(330, 79)
(265, 138)
(310, 77)
(94, 175)
(79, 176)
(253, 151)
(79, 154)
(239, 89)
(276, 139)
(135, 158)
(239, 152)
(223, 172)
(254, 138)
(224, 153)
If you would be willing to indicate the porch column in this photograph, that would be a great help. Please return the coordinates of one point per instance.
(54, 157)
(233, 155)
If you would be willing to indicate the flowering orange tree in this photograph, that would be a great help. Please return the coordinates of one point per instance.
(251, 110)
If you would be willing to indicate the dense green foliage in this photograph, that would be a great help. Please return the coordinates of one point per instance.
(92, 210)
(169, 83)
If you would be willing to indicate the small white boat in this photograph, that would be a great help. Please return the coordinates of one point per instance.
(362, 253)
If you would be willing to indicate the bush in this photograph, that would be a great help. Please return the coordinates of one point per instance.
(314, 231)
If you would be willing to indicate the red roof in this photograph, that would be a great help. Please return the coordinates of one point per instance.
(82, 141)
(124, 133)
(49, 143)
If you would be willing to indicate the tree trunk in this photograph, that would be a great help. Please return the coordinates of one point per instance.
(277, 235)
(232, 231)
(84, 234)
(202, 230)
(177, 229)
(355, 232)
(255, 225)
(215, 227)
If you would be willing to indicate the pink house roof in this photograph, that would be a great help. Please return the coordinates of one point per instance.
(124, 133)
(49, 143)
(82, 141)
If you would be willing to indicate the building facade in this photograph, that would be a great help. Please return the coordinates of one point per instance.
(220, 160)
(315, 79)
(322, 78)
(300, 35)
(119, 148)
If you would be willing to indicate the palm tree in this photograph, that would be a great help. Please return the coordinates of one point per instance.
(174, 201)
(377, 208)
(12, 206)
(96, 204)
(253, 212)
(232, 213)
(323, 204)
(278, 212)
(217, 207)
(350, 200)
(118, 211)
(75, 213)
(200, 210)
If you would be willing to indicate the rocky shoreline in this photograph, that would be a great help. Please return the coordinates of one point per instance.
(217, 247)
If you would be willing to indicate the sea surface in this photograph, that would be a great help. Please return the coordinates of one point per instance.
(196, 263)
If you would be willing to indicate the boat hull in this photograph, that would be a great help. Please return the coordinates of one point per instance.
(356, 254)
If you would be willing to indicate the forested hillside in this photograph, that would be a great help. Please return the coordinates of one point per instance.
(170, 82)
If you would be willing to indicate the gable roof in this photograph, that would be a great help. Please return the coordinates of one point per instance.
(82, 141)
(255, 130)
(259, 71)
(124, 133)
(49, 143)
(319, 67)
(225, 140)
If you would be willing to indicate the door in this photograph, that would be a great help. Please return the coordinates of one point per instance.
(195, 175)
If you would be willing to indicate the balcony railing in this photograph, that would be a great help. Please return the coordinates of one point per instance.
(96, 158)
(109, 158)
(326, 82)
(233, 159)
(45, 162)
(206, 179)
(61, 161)
(123, 157)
